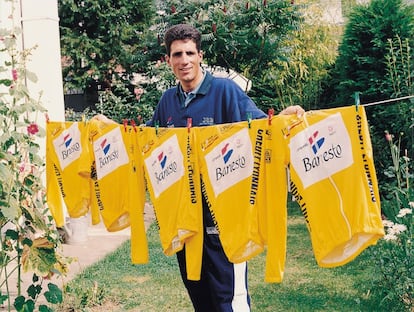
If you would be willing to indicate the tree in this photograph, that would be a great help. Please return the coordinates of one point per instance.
(376, 59)
(310, 51)
(361, 63)
(102, 40)
(245, 36)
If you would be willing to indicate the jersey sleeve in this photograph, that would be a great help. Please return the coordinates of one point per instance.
(136, 186)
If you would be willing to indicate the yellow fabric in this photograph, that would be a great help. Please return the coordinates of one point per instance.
(136, 187)
(334, 181)
(53, 197)
(227, 164)
(271, 196)
(63, 152)
(109, 170)
(173, 185)
(244, 167)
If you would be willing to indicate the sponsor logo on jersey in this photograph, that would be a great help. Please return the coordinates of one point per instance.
(162, 159)
(321, 150)
(230, 165)
(110, 152)
(67, 140)
(109, 156)
(316, 142)
(257, 156)
(167, 169)
(230, 161)
(370, 175)
(226, 153)
(105, 146)
(67, 146)
(165, 165)
(209, 141)
(70, 149)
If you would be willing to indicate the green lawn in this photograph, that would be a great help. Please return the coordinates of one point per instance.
(114, 284)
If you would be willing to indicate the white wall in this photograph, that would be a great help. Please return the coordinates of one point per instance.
(40, 27)
(40, 24)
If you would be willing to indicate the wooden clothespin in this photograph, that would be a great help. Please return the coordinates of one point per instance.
(134, 125)
(125, 122)
(270, 114)
(189, 123)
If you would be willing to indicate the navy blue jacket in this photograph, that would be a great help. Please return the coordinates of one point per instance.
(218, 100)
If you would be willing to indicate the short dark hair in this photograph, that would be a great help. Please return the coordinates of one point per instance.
(181, 32)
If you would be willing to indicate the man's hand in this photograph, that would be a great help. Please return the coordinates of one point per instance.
(103, 118)
(294, 109)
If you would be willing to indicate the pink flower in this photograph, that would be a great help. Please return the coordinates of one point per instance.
(22, 167)
(388, 136)
(14, 74)
(138, 92)
(32, 128)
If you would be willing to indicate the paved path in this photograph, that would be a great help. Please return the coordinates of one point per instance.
(99, 243)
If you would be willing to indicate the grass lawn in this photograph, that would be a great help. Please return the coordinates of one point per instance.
(114, 284)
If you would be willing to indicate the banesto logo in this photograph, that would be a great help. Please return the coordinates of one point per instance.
(108, 155)
(166, 169)
(69, 148)
(315, 142)
(322, 154)
(320, 150)
(229, 166)
(162, 159)
(105, 146)
(226, 153)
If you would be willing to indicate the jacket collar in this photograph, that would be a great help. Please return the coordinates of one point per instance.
(204, 87)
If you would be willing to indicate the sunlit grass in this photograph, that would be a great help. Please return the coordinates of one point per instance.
(157, 286)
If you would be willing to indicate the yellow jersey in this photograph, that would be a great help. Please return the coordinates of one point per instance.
(227, 167)
(334, 182)
(108, 167)
(172, 179)
(63, 154)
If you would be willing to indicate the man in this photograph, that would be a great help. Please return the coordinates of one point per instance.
(207, 100)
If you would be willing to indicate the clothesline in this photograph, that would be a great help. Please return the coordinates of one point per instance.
(389, 100)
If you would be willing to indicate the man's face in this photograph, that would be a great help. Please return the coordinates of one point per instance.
(184, 60)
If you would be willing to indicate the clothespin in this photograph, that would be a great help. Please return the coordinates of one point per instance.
(357, 100)
(139, 117)
(125, 122)
(189, 123)
(47, 117)
(134, 125)
(83, 119)
(270, 114)
(249, 118)
(157, 125)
